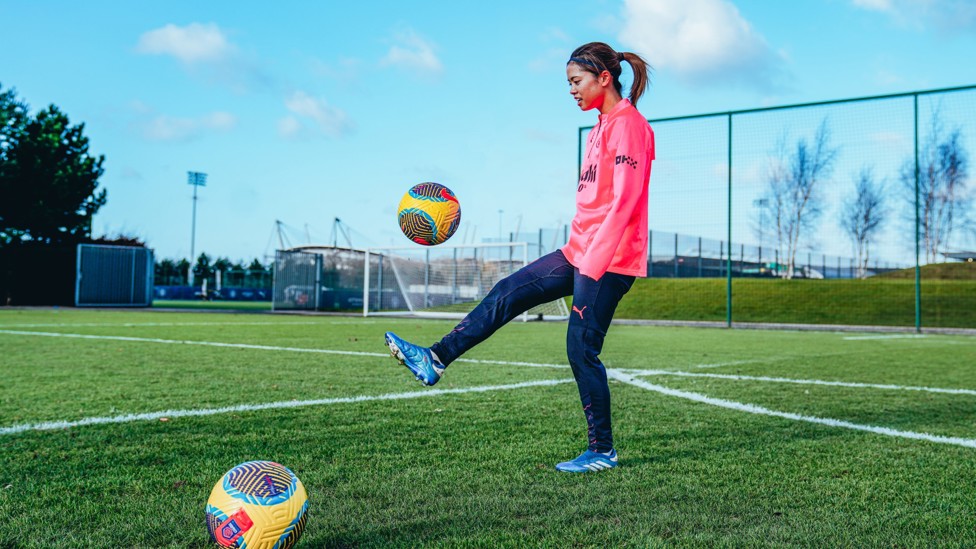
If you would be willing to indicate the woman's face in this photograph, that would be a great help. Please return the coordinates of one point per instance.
(585, 87)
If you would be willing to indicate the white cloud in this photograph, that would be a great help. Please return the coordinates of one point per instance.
(312, 115)
(412, 52)
(699, 41)
(170, 128)
(190, 44)
(205, 52)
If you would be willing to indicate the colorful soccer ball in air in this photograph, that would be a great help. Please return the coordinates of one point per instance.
(258, 504)
(429, 214)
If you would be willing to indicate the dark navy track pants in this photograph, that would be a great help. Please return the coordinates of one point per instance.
(594, 301)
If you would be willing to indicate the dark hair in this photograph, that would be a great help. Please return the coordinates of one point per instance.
(597, 57)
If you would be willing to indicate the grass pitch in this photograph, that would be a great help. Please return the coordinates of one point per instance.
(730, 438)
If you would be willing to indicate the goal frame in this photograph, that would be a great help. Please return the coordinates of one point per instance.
(519, 249)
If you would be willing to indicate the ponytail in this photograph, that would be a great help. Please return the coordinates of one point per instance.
(640, 70)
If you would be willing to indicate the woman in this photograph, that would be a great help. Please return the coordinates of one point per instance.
(607, 249)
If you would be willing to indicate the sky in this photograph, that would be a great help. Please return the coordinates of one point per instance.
(306, 112)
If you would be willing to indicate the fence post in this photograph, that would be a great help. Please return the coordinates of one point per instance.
(650, 253)
(676, 255)
(918, 269)
(365, 283)
(318, 282)
(728, 280)
(426, 277)
(379, 282)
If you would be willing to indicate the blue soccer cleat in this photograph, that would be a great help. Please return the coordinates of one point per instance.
(418, 359)
(589, 461)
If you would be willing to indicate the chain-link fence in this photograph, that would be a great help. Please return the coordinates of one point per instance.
(842, 212)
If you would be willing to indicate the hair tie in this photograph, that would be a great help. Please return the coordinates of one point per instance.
(620, 57)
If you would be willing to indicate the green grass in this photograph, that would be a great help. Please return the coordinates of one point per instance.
(476, 469)
(201, 304)
(871, 302)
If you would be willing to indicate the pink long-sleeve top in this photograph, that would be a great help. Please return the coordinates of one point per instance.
(609, 232)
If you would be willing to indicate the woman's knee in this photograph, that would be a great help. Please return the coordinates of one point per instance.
(583, 344)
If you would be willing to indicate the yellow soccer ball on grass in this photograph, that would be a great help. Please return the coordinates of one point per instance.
(257, 505)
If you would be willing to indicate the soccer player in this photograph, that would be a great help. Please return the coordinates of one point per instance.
(607, 249)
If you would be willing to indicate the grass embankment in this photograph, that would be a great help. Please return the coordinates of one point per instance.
(948, 299)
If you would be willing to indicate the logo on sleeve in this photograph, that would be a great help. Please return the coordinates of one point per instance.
(624, 159)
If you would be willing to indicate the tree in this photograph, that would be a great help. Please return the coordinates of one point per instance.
(862, 216)
(202, 269)
(223, 264)
(168, 273)
(793, 191)
(13, 114)
(48, 179)
(944, 202)
(183, 266)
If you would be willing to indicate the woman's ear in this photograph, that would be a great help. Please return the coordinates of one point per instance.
(605, 78)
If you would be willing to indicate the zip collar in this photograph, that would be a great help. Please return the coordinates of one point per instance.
(620, 106)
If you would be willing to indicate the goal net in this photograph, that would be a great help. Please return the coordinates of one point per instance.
(443, 281)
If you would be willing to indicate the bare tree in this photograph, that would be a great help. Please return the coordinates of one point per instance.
(862, 216)
(792, 196)
(944, 201)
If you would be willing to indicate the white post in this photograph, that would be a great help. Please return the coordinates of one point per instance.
(525, 261)
(366, 284)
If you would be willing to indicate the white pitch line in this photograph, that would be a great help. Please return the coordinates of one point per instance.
(509, 363)
(260, 347)
(163, 324)
(887, 336)
(612, 373)
(189, 342)
(853, 384)
(753, 409)
(495, 362)
(150, 416)
(732, 363)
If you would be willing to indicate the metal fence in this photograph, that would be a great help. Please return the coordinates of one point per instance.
(113, 276)
(233, 278)
(318, 278)
(855, 205)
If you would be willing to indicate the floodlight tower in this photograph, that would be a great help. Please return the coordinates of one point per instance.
(197, 179)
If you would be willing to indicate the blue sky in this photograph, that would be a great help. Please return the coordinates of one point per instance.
(308, 111)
